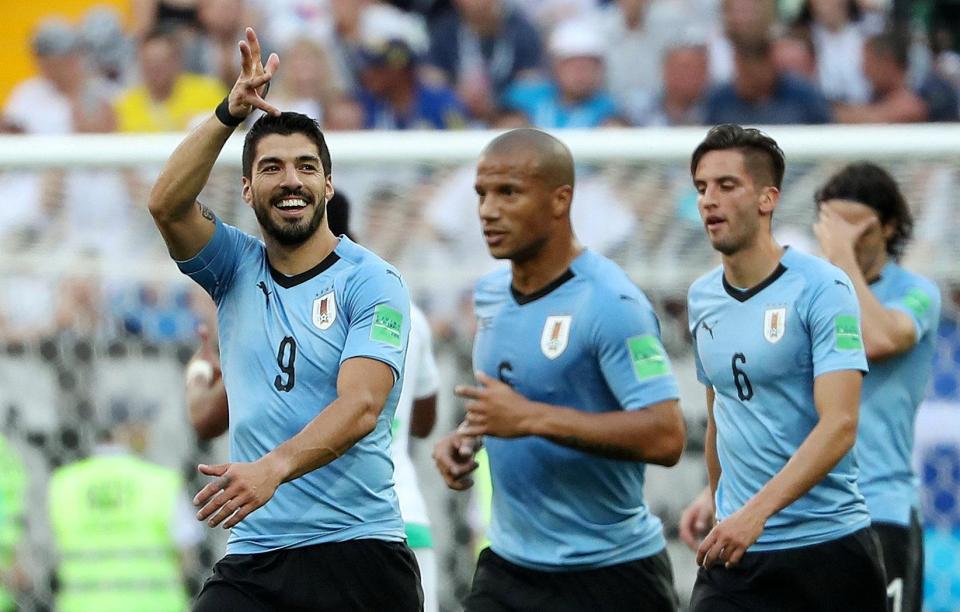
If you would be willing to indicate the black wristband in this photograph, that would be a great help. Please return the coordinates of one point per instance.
(223, 114)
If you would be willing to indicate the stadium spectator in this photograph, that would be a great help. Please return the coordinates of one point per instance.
(582, 538)
(215, 49)
(838, 29)
(147, 15)
(743, 22)
(760, 95)
(685, 84)
(168, 99)
(784, 480)
(480, 49)
(308, 84)
(793, 53)
(109, 49)
(393, 95)
(886, 64)
(574, 96)
(636, 34)
(123, 528)
(72, 100)
(14, 582)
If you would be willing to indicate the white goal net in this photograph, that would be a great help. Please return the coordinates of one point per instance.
(94, 316)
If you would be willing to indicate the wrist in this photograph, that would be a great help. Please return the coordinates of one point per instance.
(226, 117)
(534, 422)
(200, 371)
(278, 465)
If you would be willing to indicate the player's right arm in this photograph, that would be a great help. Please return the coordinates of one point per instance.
(710, 446)
(206, 394)
(185, 224)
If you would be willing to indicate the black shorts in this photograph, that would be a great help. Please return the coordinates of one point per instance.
(843, 575)
(358, 575)
(903, 559)
(644, 585)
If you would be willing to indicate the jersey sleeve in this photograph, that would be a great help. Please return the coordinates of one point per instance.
(214, 266)
(428, 378)
(378, 310)
(693, 326)
(631, 355)
(833, 321)
(922, 304)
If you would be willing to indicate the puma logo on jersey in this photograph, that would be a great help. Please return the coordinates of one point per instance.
(707, 327)
(266, 292)
(842, 284)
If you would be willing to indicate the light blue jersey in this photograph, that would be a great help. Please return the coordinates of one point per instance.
(588, 341)
(282, 340)
(891, 394)
(761, 349)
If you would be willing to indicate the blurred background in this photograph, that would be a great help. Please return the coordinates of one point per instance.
(96, 324)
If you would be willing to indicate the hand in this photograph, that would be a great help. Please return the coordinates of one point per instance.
(837, 236)
(697, 519)
(730, 538)
(454, 456)
(239, 489)
(247, 93)
(495, 409)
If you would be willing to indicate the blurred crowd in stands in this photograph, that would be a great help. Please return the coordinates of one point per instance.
(449, 64)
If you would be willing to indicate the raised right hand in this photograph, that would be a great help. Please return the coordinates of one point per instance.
(247, 93)
(697, 519)
(454, 456)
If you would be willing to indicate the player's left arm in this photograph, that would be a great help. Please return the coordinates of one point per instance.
(837, 400)
(887, 331)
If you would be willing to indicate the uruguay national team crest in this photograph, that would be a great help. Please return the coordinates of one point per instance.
(774, 324)
(556, 332)
(324, 311)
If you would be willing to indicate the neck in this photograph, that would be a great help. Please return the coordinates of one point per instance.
(161, 92)
(486, 24)
(293, 260)
(552, 261)
(749, 266)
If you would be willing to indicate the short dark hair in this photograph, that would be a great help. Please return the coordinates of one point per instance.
(868, 184)
(763, 157)
(285, 124)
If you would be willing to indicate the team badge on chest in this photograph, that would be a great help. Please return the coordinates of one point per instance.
(324, 311)
(774, 324)
(556, 332)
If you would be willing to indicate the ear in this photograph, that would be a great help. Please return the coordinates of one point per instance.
(247, 192)
(889, 230)
(561, 201)
(769, 198)
(328, 190)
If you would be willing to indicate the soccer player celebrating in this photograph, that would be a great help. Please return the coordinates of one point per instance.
(575, 394)
(313, 334)
(863, 227)
(415, 415)
(778, 347)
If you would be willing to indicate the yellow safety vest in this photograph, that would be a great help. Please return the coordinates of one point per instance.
(111, 518)
(13, 482)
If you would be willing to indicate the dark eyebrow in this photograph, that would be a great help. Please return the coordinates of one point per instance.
(276, 160)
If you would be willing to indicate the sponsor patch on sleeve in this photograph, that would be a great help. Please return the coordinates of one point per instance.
(917, 301)
(387, 323)
(648, 357)
(847, 333)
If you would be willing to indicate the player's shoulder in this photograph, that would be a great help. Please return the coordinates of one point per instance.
(492, 286)
(706, 284)
(815, 272)
(911, 279)
(605, 279)
(362, 263)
